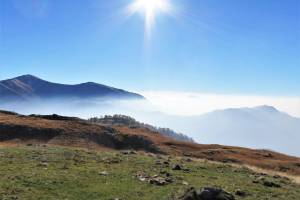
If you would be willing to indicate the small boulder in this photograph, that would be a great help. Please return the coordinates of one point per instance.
(207, 193)
(176, 167)
(104, 173)
(240, 193)
(185, 183)
(271, 184)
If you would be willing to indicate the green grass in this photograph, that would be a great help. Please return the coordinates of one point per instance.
(75, 174)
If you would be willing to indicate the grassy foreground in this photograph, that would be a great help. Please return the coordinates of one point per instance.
(65, 173)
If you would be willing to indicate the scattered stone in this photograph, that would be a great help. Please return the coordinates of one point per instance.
(268, 155)
(271, 184)
(166, 163)
(128, 152)
(240, 193)
(284, 168)
(43, 164)
(176, 167)
(104, 173)
(261, 178)
(262, 174)
(185, 183)
(167, 174)
(207, 193)
(160, 181)
(186, 170)
(187, 159)
(276, 176)
(158, 162)
(187, 154)
(156, 180)
(230, 160)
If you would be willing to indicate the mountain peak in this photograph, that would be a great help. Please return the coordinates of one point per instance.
(31, 86)
(266, 108)
(27, 76)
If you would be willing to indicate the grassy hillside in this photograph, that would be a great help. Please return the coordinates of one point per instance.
(73, 132)
(41, 172)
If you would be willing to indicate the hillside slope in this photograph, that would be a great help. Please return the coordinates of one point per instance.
(55, 130)
(42, 172)
(123, 120)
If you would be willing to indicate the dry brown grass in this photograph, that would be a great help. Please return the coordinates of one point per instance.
(82, 134)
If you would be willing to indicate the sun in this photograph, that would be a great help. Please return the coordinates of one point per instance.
(150, 8)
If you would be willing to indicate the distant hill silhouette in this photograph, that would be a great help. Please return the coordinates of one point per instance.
(28, 87)
(258, 127)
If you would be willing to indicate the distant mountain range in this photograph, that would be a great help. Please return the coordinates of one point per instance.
(258, 127)
(29, 87)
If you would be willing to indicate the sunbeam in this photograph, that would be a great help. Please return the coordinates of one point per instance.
(149, 9)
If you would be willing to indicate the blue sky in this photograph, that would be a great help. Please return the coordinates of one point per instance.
(247, 47)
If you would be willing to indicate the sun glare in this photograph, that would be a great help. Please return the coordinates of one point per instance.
(150, 8)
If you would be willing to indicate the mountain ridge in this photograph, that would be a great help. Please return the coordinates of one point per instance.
(257, 127)
(28, 87)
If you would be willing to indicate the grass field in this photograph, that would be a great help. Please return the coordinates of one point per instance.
(37, 172)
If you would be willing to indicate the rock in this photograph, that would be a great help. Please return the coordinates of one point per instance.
(187, 160)
(207, 193)
(176, 167)
(276, 176)
(284, 168)
(191, 194)
(160, 181)
(186, 170)
(240, 193)
(230, 160)
(156, 179)
(185, 183)
(128, 152)
(262, 174)
(187, 154)
(166, 163)
(167, 174)
(104, 173)
(268, 155)
(271, 184)
(43, 164)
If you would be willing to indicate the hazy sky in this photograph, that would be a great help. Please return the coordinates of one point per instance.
(249, 47)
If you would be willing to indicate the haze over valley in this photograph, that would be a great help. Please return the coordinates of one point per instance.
(262, 126)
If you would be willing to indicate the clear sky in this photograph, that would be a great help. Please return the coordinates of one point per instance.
(234, 47)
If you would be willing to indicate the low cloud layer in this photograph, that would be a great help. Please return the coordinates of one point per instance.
(193, 103)
(191, 114)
